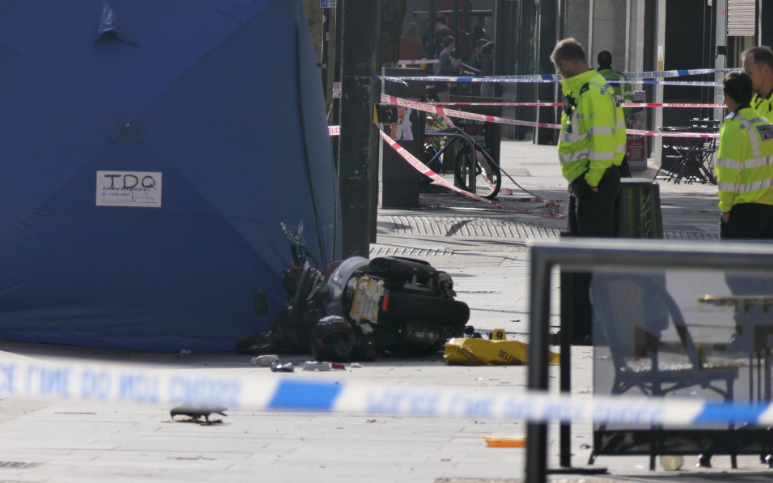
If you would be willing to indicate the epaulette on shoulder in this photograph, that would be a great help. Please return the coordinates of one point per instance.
(584, 88)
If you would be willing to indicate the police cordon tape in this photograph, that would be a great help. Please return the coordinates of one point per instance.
(534, 80)
(423, 169)
(558, 104)
(630, 75)
(498, 120)
(100, 383)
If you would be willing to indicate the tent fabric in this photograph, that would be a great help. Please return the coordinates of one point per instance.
(150, 150)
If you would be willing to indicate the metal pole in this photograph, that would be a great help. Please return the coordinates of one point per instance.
(539, 300)
(455, 20)
(325, 49)
(359, 143)
(431, 16)
(590, 31)
(337, 77)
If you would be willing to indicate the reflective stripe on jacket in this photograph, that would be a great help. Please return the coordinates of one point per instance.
(745, 160)
(623, 92)
(592, 128)
(764, 107)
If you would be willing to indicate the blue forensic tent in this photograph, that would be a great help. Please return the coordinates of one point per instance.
(149, 151)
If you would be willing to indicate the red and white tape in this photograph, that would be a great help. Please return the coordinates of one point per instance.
(334, 130)
(420, 106)
(423, 169)
(558, 104)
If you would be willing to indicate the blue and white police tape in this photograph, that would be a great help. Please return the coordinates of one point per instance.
(545, 79)
(97, 382)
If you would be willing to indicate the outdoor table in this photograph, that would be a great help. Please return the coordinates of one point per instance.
(692, 156)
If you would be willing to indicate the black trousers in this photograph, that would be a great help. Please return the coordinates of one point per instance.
(590, 215)
(748, 221)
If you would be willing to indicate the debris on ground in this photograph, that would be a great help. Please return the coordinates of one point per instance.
(496, 442)
(474, 351)
(185, 352)
(196, 413)
(279, 367)
(322, 366)
(356, 365)
(264, 361)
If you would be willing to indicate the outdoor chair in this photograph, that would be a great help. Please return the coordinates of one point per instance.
(632, 311)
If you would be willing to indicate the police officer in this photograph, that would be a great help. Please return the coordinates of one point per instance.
(623, 93)
(744, 165)
(758, 64)
(591, 145)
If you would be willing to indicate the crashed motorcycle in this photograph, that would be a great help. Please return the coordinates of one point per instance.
(357, 308)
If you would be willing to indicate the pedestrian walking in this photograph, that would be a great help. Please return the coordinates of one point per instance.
(591, 144)
(411, 47)
(623, 93)
(758, 65)
(445, 67)
(744, 165)
(591, 147)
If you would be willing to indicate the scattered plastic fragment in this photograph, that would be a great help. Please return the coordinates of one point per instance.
(492, 442)
(338, 367)
(356, 365)
(279, 367)
(185, 352)
(316, 366)
(264, 361)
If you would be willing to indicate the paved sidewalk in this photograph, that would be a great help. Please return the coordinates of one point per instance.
(75, 442)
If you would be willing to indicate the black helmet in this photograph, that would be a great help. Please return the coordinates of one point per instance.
(332, 339)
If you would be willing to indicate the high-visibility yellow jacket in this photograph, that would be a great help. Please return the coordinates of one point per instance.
(623, 92)
(745, 160)
(592, 128)
(763, 106)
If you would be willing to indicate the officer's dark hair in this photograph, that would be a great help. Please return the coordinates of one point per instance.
(448, 41)
(760, 55)
(738, 86)
(440, 19)
(568, 49)
(604, 59)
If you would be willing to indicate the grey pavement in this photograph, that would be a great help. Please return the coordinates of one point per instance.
(484, 250)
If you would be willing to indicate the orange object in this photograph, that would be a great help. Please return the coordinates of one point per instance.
(492, 442)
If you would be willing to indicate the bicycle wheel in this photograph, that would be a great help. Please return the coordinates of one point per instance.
(469, 161)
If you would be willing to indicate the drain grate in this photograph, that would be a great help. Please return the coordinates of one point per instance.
(495, 228)
(690, 235)
(17, 464)
(472, 227)
(384, 251)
